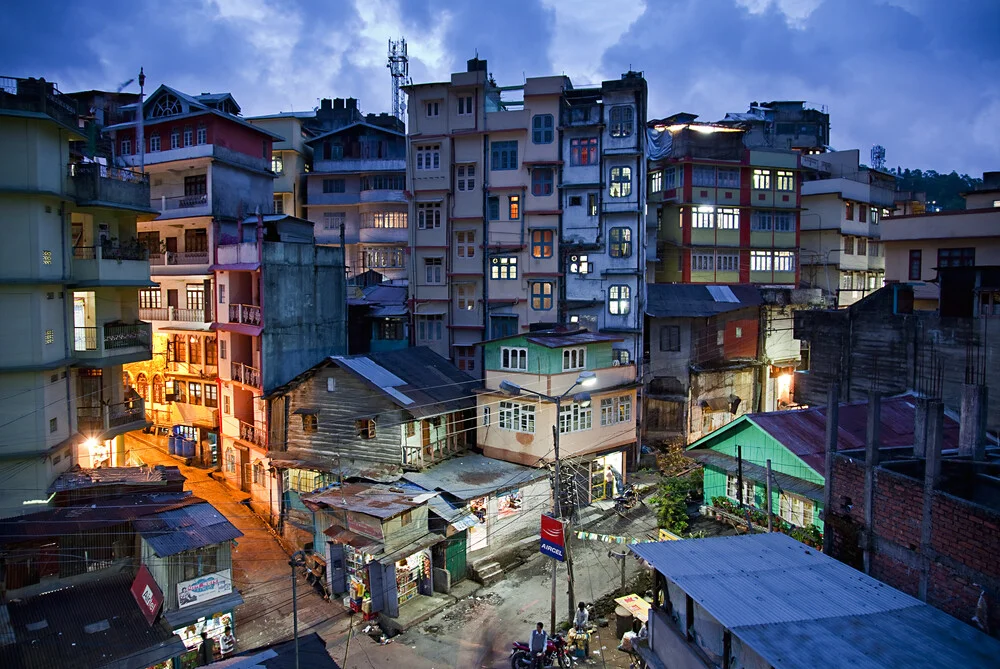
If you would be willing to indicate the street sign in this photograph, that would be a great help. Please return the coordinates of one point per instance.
(553, 540)
(147, 594)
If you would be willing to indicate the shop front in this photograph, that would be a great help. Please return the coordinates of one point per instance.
(205, 604)
(607, 476)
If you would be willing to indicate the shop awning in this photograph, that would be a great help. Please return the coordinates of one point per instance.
(352, 539)
(188, 614)
(459, 519)
(409, 549)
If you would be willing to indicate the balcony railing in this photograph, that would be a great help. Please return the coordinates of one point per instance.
(174, 202)
(245, 374)
(98, 183)
(128, 250)
(247, 314)
(94, 420)
(39, 96)
(255, 434)
(172, 314)
(113, 339)
(179, 258)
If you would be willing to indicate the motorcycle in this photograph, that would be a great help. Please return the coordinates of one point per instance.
(555, 654)
(627, 500)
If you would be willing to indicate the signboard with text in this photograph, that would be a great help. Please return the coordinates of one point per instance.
(553, 540)
(636, 605)
(147, 594)
(205, 587)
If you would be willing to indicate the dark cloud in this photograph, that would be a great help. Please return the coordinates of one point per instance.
(913, 75)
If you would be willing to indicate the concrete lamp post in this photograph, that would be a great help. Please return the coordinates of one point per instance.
(584, 380)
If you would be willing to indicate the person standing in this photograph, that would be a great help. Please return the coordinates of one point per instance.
(538, 645)
(227, 642)
(580, 623)
(206, 654)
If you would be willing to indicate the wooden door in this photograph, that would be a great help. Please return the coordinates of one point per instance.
(171, 244)
(172, 297)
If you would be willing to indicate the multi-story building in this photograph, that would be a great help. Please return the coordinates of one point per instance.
(291, 159)
(356, 189)
(70, 265)
(843, 205)
(918, 246)
(282, 310)
(597, 423)
(526, 210)
(208, 167)
(723, 213)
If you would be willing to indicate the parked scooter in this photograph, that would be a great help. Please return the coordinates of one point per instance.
(555, 654)
(627, 500)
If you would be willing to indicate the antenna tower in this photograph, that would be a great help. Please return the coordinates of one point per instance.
(878, 156)
(399, 69)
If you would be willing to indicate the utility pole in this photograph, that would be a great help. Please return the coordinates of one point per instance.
(739, 486)
(298, 560)
(140, 138)
(555, 511)
(770, 524)
(621, 559)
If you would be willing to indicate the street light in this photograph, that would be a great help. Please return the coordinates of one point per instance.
(585, 380)
(298, 559)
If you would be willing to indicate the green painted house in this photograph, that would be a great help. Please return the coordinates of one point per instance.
(791, 440)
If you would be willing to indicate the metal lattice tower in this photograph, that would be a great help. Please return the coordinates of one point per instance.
(399, 69)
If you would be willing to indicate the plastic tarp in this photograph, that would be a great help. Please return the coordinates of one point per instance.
(659, 143)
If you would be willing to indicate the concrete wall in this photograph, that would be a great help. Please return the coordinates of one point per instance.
(304, 295)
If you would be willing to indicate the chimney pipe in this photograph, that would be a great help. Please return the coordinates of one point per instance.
(972, 425)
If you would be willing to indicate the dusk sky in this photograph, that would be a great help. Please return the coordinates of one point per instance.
(917, 76)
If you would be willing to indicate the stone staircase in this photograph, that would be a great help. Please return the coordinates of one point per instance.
(487, 571)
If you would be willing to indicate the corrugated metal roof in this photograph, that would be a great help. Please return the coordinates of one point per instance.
(577, 339)
(90, 624)
(472, 476)
(433, 382)
(676, 300)
(380, 501)
(771, 591)
(178, 530)
(79, 479)
(380, 376)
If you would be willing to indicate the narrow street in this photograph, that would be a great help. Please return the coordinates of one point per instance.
(476, 631)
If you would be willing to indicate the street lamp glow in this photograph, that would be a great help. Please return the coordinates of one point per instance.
(587, 379)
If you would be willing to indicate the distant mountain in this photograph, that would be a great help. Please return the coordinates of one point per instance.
(942, 189)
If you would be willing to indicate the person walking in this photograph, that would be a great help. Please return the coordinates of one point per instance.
(206, 654)
(580, 622)
(538, 645)
(227, 642)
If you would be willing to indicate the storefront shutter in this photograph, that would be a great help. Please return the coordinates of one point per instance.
(377, 585)
(335, 572)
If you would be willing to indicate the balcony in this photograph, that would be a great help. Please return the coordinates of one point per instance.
(131, 341)
(255, 434)
(246, 314)
(182, 206)
(188, 153)
(359, 165)
(103, 186)
(245, 374)
(126, 263)
(40, 97)
(178, 258)
(172, 314)
(111, 419)
(384, 236)
(382, 196)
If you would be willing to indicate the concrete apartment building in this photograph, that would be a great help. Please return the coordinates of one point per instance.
(71, 266)
(917, 246)
(844, 204)
(792, 125)
(207, 168)
(526, 210)
(291, 159)
(356, 189)
(282, 310)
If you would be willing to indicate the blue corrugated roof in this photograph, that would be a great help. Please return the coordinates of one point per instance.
(178, 530)
(473, 476)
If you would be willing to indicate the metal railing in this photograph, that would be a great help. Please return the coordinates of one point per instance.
(91, 420)
(172, 314)
(107, 172)
(245, 374)
(130, 249)
(247, 314)
(167, 203)
(127, 336)
(39, 96)
(255, 434)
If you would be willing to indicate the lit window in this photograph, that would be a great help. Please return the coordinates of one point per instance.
(616, 410)
(541, 295)
(503, 267)
(760, 261)
(465, 243)
(785, 181)
(620, 242)
(542, 129)
(619, 300)
(514, 207)
(541, 243)
(465, 294)
(703, 217)
(583, 151)
(762, 179)
(365, 428)
(277, 163)
(655, 181)
(727, 219)
(621, 182)
(50, 336)
(622, 121)
(591, 204)
(46, 257)
(578, 264)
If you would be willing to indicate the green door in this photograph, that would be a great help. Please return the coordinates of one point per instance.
(454, 556)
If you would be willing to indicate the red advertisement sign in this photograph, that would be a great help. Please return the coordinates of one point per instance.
(147, 594)
(552, 542)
